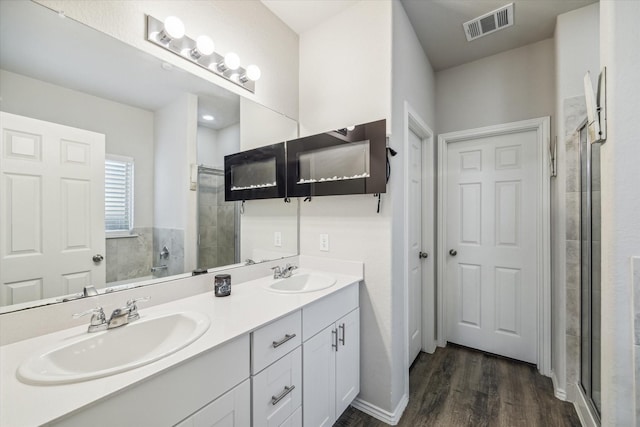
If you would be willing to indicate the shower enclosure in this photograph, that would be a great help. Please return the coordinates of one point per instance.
(590, 376)
(218, 221)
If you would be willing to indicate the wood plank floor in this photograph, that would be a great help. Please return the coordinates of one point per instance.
(458, 386)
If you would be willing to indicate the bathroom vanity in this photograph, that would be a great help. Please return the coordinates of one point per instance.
(284, 358)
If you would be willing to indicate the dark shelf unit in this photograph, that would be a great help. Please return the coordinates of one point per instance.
(264, 168)
(338, 162)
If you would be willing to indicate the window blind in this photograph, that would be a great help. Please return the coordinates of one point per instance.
(118, 194)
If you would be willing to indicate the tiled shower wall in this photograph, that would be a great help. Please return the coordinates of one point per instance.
(574, 113)
(129, 257)
(173, 239)
(216, 223)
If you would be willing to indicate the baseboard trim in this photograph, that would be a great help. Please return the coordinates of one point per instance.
(560, 393)
(392, 418)
(587, 419)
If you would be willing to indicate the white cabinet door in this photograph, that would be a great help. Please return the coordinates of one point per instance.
(52, 204)
(347, 361)
(319, 374)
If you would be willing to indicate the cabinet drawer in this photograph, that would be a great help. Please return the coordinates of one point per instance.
(294, 420)
(274, 340)
(320, 314)
(231, 409)
(277, 391)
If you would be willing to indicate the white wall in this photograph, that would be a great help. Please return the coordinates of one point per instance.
(345, 78)
(245, 27)
(576, 51)
(213, 144)
(506, 87)
(345, 69)
(128, 130)
(260, 126)
(619, 35)
(413, 81)
(175, 205)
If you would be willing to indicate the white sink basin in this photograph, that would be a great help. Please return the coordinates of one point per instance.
(95, 355)
(302, 282)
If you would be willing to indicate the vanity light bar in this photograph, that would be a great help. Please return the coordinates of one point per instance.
(170, 36)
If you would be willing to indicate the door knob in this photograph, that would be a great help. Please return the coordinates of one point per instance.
(453, 252)
(423, 255)
(97, 258)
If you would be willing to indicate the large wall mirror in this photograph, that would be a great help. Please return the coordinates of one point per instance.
(111, 166)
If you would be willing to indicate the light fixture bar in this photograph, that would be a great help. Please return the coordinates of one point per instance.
(187, 48)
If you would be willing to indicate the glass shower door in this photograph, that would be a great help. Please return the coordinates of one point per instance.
(590, 218)
(218, 221)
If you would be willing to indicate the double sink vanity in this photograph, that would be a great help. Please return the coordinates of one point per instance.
(276, 352)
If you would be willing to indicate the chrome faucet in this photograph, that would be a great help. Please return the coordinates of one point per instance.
(283, 273)
(119, 317)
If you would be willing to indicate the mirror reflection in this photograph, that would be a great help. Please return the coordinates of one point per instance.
(112, 165)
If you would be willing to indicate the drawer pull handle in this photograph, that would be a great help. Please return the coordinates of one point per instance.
(334, 339)
(278, 398)
(286, 338)
(343, 333)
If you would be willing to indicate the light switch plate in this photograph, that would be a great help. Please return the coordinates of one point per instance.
(277, 239)
(324, 242)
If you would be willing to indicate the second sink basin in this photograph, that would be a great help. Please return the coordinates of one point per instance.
(302, 282)
(106, 353)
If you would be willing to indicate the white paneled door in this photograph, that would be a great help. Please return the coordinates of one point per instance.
(415, 245)
(491, 237)
(51, 209)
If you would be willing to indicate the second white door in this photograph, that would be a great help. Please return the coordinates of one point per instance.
(52, 204)
(491, 231)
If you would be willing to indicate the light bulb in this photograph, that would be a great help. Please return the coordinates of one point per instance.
(205, 45)
(231, 61)
(207, 117)
(174, 27)
(253, 72)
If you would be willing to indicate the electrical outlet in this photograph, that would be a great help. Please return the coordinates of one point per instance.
(277, 239)
(324, 242)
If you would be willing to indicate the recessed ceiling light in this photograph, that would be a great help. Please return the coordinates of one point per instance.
(207, 117)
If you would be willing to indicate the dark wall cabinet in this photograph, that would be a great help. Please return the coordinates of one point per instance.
(344, 161)
(256, 174)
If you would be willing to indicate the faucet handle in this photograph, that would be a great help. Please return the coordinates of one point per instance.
(277, 272)
(133, 307)
(97, 312)
(98, 319)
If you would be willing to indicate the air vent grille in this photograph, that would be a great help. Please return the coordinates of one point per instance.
(489, 23)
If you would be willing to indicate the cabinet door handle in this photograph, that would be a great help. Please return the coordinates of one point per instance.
(343, 333)
(286, 338)
(334, 340)
(278, 398)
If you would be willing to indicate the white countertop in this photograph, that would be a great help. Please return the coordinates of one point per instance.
(249, 307)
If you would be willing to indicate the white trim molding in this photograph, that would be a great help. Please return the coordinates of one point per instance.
(558, 392)
(391, 418)
(543, 245)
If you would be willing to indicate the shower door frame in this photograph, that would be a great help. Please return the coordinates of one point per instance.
(588, 395)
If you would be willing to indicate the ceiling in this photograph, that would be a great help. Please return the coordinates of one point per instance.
(302, 15)
(438, 23)
(83, 59)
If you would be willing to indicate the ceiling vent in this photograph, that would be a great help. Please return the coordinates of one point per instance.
(489, 22)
